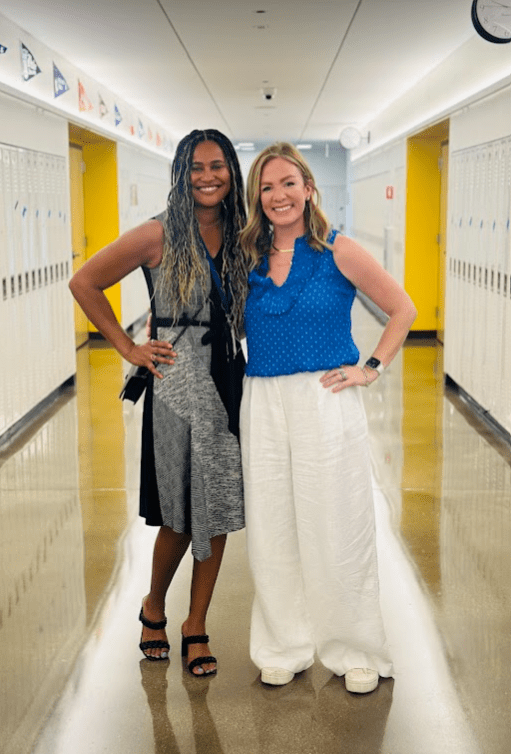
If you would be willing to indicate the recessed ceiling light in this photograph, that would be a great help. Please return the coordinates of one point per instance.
(304, 146)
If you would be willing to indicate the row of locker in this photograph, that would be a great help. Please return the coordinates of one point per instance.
(36, 265)
(34, 210)
(478, 339)
(36, 311)
(31, 280)
(480, 205)
(38, 348)
(478, 284)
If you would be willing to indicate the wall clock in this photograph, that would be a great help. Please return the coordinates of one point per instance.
(492, 20)
(350, 137)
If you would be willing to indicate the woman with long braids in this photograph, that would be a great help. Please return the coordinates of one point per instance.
(191, 483)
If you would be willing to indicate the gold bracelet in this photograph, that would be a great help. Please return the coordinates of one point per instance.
(363, 370)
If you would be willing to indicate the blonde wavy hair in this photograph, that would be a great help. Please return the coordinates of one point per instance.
(257, 236)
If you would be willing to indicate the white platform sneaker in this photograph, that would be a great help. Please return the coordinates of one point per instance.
(276, 676)
(361, 680)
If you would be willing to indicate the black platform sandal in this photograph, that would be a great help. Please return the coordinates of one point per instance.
(155, 644)
(186, 640)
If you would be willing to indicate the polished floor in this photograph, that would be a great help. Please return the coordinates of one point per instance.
(75, 562)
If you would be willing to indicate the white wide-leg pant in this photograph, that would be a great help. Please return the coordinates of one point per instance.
(310, 526)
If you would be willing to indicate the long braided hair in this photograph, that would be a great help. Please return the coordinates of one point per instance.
(183, 263)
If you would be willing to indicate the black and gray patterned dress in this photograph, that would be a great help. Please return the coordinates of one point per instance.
(191, 467)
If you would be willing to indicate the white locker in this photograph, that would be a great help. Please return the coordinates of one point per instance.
(4, 288)
(36, 313)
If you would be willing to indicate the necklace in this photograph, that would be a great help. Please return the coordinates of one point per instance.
(211, 225)
(286, 251)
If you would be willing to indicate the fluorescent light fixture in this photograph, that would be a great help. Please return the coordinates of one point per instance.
(304, 146)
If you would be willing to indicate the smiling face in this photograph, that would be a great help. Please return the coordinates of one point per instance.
(209, 175)
(283, 195)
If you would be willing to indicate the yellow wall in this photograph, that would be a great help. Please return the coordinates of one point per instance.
(422, 227)
(101, 206)
(100, 192)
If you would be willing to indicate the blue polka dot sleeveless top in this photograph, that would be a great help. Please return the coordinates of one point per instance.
(303, 325)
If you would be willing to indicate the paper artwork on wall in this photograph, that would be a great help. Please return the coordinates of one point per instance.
(118, 116)
(3, 49)
(140, 129)
(103, 109)
(60, 85)
(29, 67)
(84, 103)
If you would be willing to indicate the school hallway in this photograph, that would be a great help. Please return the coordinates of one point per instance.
(76, 563)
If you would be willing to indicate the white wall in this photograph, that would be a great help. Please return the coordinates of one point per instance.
(85, 100)
(378, 223)
(474, 70)
(144, 182)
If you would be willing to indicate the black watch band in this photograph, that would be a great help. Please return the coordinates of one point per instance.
(374, 363)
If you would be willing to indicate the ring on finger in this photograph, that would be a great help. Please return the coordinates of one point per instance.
(343, 374)
(154, 358)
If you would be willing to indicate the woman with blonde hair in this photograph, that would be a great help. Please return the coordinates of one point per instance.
(305, 453)
(191, 468)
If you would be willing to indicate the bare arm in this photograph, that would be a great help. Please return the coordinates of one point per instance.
(368, 276)
(141, 246)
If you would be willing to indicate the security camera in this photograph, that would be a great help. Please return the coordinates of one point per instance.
(269, 92)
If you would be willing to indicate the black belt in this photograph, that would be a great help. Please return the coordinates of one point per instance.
(183, 321)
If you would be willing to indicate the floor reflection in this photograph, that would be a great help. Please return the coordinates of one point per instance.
(102, 478)
(351, 722)
(449, 483)
(474, 604)
(283, 716)
(154, 683)
(42, 594)
(301, 717)
(75, 562)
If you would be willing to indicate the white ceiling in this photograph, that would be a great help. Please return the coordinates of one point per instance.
(194, 64)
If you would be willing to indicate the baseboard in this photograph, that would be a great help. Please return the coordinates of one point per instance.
(480, 416)
(29, 422)
(422, 335)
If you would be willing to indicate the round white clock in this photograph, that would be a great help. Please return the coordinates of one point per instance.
(350, 137)
(492, 20)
